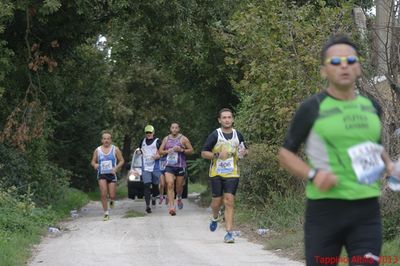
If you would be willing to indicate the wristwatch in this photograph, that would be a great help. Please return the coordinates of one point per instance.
(312, 173)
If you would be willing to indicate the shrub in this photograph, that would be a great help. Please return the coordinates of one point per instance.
(390, 202)
(262, 177)
(198, 170)
(31, 172)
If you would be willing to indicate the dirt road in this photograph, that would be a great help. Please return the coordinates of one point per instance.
(156, 239)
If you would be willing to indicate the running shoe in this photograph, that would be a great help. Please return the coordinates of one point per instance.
(106, 217)
(112, 205)
(153, 202)
(180, 204)
(229, 238)
(148, 209)
(214, 223)
(172, 211)
(161, 200)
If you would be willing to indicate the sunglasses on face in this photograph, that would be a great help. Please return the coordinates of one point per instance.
(337, 60)
(149, 132)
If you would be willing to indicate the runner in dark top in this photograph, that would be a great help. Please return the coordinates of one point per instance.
(224, 146)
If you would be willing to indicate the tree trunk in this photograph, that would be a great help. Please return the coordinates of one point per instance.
(383, 34)
(126, 149)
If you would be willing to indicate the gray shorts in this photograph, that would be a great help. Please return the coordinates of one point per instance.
(151, 177)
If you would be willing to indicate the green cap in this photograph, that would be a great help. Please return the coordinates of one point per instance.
(149, 128)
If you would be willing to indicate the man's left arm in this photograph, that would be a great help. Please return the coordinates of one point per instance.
(388, 162)
(242, 151)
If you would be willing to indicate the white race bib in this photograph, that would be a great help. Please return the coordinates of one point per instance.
(225, 166)
(106, 167)
(163, 163)
(367, 162)
(172, 158)
(148, 163)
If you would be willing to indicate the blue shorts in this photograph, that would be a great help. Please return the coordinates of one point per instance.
(176, 171)
(151, 177)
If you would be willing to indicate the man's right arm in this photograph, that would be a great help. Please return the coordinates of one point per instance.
(298, 132)
(206, 152)
(291, 162)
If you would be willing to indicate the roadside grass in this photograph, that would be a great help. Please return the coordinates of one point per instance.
(283, 216)
(15, 249)
(133, 213)
(196, 188)
(22, 224)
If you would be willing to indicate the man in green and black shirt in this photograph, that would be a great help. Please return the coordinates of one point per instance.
(342, 134)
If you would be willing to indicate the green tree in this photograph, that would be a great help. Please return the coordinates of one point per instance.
(273, 54)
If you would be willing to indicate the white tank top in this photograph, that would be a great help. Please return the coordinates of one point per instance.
(148, 152)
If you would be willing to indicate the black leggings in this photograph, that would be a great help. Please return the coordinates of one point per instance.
(331, 224)
(149, 189)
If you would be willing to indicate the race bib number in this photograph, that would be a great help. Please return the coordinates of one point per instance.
(163, 163)
(149, 161)
(225, 166)
(172, 158)
(106, 167)
(367, 162)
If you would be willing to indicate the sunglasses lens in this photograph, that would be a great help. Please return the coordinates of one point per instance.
(335, 61)
(351, 60)
(149, 132)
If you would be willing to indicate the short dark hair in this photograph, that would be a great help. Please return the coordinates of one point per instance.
(174, 122)
(106, 131)
(339, 38)
(224, 110)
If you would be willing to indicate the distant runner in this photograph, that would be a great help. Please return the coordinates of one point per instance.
(107, 160)
(342, 135)
(224, 146)
(151, 166)
(176, 146)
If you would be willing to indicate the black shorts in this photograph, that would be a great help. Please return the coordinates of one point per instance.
(177, 171)
(109, 177)
(332, 223)
(220, 185)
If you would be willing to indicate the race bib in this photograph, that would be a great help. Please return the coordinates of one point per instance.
(225, 166)
(163, 163)
(367, 162)
(172, 158)
(106, 167)
(149, 161)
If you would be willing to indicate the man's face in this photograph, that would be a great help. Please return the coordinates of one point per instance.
(106, 139)
(174, 128)
(226, 119)
(149, 135)
(343, 75)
